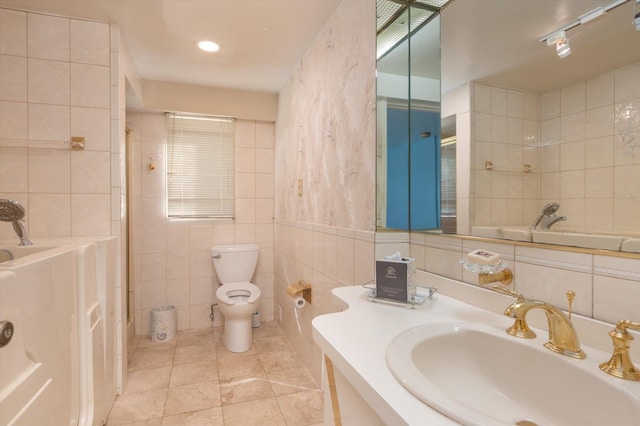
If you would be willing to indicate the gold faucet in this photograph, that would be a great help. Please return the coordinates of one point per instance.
(563, 338)
(620, 364)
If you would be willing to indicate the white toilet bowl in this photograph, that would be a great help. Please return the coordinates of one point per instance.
(238, 299)
(237, 303)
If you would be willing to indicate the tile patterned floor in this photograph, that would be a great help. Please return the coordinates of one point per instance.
(194, 380)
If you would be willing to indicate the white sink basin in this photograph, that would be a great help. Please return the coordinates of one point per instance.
(478, 375)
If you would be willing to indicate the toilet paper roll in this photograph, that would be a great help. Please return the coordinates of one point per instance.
(299, 302)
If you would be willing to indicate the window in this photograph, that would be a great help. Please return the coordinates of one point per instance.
(200, 167)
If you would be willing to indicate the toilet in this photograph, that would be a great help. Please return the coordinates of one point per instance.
(238, 299)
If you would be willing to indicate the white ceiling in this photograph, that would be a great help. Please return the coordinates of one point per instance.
(494, 41)
(260, 40)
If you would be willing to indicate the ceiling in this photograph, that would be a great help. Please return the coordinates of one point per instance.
(260, 41)
(493, 41)
(496, 42)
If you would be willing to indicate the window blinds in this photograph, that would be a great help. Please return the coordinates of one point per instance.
(200, 167)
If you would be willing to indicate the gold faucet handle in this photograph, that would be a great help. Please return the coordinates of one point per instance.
(623, 325)
(570, 295)
(518, 296)
(620, 364)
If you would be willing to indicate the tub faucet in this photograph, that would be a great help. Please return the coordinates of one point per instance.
(563, 338)
(548, 217)
(12, 211)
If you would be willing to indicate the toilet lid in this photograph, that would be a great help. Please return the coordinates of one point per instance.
(240, 293)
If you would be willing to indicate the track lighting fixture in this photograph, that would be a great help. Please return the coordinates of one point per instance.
(559, 36)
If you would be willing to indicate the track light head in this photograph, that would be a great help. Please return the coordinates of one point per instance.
(562, 48)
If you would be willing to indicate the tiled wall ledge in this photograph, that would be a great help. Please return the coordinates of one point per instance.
(607, 286)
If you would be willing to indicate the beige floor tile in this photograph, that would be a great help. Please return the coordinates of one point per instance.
(242, 389)
(194, 397)
(263, 412)
(279, 360)
(146, 342)
(195, 372)
(150, 422)
(271, 344)
(268, 328)
(239, 366)
(193, 380)
(208, 417)
(302, 408)
(146, 358)
(291, 380)
(223, 353)
(196, 337)
(194, 353)
(145, 380)
(137, 406)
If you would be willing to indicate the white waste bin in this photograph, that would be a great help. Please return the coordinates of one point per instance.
(163, 323)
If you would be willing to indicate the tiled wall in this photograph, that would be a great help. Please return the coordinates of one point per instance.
(607, 288)
(574, 140)
(504, 123)
(591, 172)
(54, 84)
(173, 258)
(61, 77)
(326, 257)
(326, 137)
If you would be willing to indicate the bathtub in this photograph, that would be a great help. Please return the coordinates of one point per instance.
(58, 368)
(561, 236)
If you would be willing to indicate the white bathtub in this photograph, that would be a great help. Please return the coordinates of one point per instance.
(58, 369)
(38, 368)
(560, 236)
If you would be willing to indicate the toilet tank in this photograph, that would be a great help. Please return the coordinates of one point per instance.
(234, 263)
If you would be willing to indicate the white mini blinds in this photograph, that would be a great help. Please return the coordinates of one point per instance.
(200, 166)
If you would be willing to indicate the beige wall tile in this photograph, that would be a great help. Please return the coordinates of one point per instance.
(48, 37)
(89, 42)
(13, 120)
(49, 122)
(14, 169)
(49, 171)
(90, 86)
(13, 32)
(90, 172)
(13, 78)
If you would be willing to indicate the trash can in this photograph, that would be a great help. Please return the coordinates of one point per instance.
(163, 323)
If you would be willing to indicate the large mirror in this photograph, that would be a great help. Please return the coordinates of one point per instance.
(533, 128)
(408, 110)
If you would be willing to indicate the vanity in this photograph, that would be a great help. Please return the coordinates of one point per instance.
(362, 344)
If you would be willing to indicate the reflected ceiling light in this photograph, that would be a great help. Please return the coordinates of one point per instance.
(553, 37)
(559, 39)
(562, 48)
(208, 46)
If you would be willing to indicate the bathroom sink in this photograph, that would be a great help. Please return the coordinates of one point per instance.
(478, 375)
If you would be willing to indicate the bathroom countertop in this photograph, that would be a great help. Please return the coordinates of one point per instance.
(357, 338)
(356, 341)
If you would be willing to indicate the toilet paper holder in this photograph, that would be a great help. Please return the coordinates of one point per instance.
(300, 288)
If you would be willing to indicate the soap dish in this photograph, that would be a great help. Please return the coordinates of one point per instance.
(483, 269)
(423, 294)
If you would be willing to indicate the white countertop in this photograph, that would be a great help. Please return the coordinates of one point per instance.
(356, 341)
(357, 338)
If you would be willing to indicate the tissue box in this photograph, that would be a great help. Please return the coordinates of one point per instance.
(395, 279)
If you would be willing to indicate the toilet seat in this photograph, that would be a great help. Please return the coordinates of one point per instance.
(240, 293)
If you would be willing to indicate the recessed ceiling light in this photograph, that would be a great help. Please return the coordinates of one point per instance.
(208, 46)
